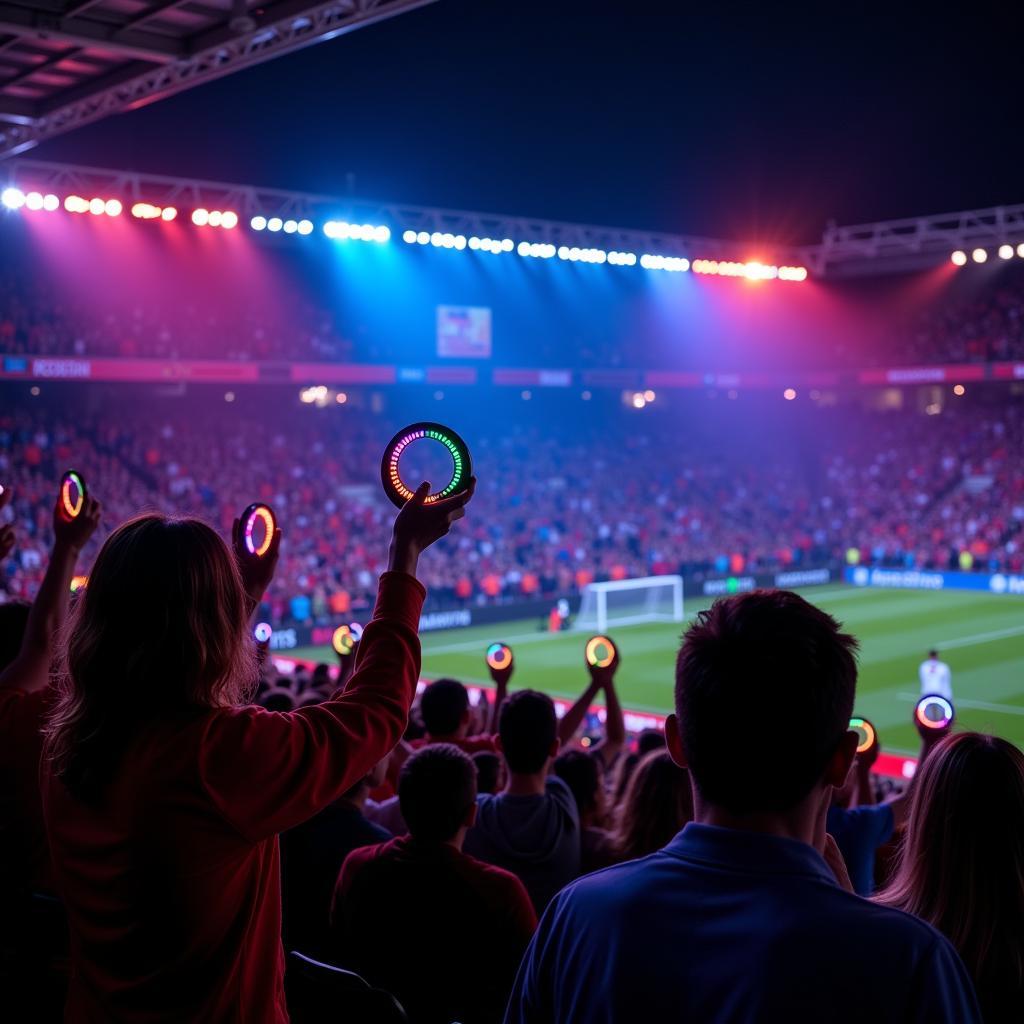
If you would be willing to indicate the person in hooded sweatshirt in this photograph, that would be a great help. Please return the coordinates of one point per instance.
(531, 827)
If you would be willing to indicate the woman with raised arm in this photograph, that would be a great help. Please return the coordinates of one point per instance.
(164, 790)
(961, 864)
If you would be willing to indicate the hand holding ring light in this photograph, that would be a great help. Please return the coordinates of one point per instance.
(398, 490)
(257, 540)
(867, 739)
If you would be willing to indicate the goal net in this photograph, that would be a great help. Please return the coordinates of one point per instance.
(627, 602)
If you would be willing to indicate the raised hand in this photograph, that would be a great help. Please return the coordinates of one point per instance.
(256, 571)
(418, 525)
(73, 534)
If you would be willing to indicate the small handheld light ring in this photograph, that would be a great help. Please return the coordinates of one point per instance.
(258, 513)
(866, 735)
(499, 657)
(263, 632)
(462, 466)
(934, 712)
(600, 651)
(72, 494)
(345, 638)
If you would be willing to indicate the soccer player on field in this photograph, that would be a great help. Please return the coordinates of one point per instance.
(935, 677)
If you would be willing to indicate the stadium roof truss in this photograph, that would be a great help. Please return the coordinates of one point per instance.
(65, 63)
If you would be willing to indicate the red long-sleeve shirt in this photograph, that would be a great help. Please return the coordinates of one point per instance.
(172, 882)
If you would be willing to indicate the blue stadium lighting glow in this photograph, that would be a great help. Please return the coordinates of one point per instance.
(622, 259)
(652, 261)
(12, 198)
(290, 227)
(341, 231)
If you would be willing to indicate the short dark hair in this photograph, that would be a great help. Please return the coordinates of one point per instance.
(648, 740)
(764, 691)
(13, 623)
(582, 774)
(436, 789)
(527, 726)
(488, 770)
(933, 653)
(442, 706)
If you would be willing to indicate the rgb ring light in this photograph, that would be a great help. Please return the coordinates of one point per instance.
(258, 512)
(600, 651)
(72, 479)
(933, 700)
(345, 638)
(397, 489)
(867, 737)
(263, 632)
(499, 657)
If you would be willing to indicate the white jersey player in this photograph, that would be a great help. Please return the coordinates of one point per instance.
(935, 677)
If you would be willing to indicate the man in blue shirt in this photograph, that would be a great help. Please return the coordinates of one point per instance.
(740, 918)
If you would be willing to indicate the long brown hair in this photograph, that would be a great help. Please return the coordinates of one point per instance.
(961, 865)
(161, 629)
(657, 804)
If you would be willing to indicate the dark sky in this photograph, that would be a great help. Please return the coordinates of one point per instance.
(755, 121)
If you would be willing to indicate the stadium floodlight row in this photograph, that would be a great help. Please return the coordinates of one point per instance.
(886, 246)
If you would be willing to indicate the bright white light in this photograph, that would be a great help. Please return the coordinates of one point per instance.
(13, 198)
(789, 394)
(113, 207)
(33, 201)
(523, 248)
(506, 245)
(305, 227)
(258, 223)
(229, 219)
(979, 255)
(216, 218)
(409, 236)
(169, 213)
(200, 217)
(1006, 252)
(290, 227)
(460, 241)
(1020, 250)
(639, 401)
(649, 396)
(959, 258)
(474, 242)
(437, 239)
(50, 202)
(274, 224)
(97, 207)
(423, 237)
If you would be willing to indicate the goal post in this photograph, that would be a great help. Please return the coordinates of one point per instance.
(630, 602)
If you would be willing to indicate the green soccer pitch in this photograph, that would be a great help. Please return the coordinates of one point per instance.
(980, 636)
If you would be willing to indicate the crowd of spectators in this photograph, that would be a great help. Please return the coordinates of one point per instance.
(902, 490)
(145, 797)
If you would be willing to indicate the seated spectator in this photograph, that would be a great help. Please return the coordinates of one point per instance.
(164, 792)
(962, 861)
(657, 804)
(740, 917)
(489, 772)
(311, 856)
(475, 919)
(531, 827)
(582, 774)
(446, 714)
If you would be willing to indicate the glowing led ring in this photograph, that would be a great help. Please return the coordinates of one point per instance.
(396, 488)
(345, 639)
(258, 512)
(866, 732)
(72, 509)
(263, 632)
(596, 644)
(929, 701)
(499, 656)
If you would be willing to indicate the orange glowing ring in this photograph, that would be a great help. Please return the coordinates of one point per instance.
(258, 512)
(72, 509)
(396, 488)
(933, 700)
(499, 657)
(596, 644)
(867, 736)
(345, 638)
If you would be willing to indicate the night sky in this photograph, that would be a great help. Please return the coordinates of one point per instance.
(758, 122)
